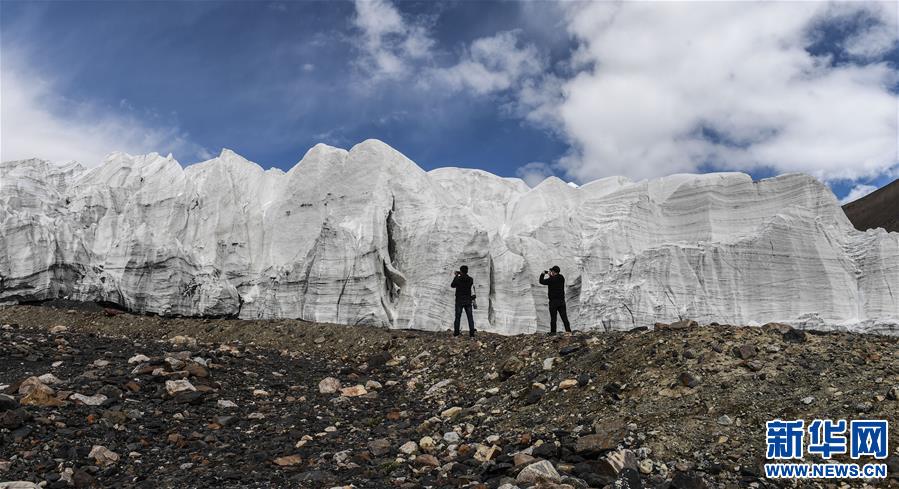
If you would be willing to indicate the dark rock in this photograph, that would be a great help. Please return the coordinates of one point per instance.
(379, 447)
(612, 388)
(583, 380)
(110, 392)
(628, 478)
(197, 370)
(510, 367)
(534, 396)
(82, 479)
(13, 418)
(225, 420)
(188, 397)
(754, 365)
(8, 402)
(892, 463)
(592, 444)
(689, 379)
(318, 477)
(683, 324)
(745, 352)
(794, 336)
(378, 360)
(688, 480)
(546, 450)
(568, 350)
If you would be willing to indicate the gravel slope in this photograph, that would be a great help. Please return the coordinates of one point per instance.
(414, 409)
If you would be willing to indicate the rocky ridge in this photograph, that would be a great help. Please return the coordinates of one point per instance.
(879, 209)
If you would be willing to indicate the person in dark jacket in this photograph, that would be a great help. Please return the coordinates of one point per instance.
(463, 284)
(556, 288)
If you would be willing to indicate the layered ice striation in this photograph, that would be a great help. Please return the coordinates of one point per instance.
(365, 236)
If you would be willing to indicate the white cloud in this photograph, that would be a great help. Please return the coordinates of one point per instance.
(533, 173)
(879, 35)
(388, 42)
(857, 192)
(678, 87)
(492, 64)
(399, 49)
(38, 122)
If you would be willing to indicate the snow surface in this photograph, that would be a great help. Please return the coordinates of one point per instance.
(365, 236)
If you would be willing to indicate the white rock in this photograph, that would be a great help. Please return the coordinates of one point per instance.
(439, 385)
(328, 385)
(66, 476)
(175, 386)
(451, 437)
(139, 358)
(548, 363)
(49, 379)
(31, 384)
(94, 400)
(103, 456)
(427, 444)
(348, 237)
(409, 448)
(180, 340)
(225, 404)
(353, 391)
(539, 470)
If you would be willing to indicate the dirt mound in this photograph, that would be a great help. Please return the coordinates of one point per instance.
(107, 399)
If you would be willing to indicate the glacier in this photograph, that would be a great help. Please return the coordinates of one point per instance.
(366, 236)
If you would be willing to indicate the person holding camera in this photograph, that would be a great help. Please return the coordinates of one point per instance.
(555, 283)
(463, 285)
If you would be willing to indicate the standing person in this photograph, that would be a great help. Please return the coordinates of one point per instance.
(463, 284)
(556, 289)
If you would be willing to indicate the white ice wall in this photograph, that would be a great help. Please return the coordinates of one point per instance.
(367, 237)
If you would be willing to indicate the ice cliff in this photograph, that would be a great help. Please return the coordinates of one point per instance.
(365, 236)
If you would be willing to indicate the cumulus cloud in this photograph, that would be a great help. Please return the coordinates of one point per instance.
(857, 192)
(393, 47)
(877, 36)
(387, 41)
(493, 64)
(38, 122)
(665, 87)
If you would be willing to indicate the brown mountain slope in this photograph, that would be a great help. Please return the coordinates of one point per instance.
(879, 209)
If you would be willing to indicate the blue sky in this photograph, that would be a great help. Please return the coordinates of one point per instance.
(518, 89)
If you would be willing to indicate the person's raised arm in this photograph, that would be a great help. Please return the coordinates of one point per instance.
(455, 281)
(543, 281)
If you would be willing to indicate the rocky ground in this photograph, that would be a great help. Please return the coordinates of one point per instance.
(99, 398)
